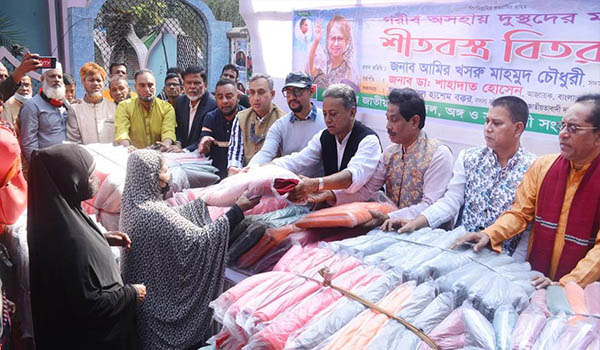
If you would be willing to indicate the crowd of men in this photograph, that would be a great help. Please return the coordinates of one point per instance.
(544, 210)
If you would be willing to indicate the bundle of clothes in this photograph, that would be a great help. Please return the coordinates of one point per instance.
(459, 298)
(188, 170)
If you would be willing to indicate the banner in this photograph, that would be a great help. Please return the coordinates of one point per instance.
(459, 57)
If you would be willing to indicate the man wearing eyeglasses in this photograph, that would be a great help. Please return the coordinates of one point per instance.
(348, 150)
(560, 196)
(292, 132)
(251, 125)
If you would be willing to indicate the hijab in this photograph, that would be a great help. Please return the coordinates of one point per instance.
(77, 293)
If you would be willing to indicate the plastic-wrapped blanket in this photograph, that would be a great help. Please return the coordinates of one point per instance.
(554, 328)
(338, 314)
(267, 242)
(392, 330)
(464, 328)
(276, 333)
(188, 170)
(246, 287)
(364, 245)
(429, 317)
(301, 238)
(357, 333)
(556, 299)
(539, 299)
(345, 215)
(484, 283)
(505, 319)
(529, 326)
(578, 336)
(576, 298)
(251, 230)
(592, 298)
(257, 181)
(257, 312)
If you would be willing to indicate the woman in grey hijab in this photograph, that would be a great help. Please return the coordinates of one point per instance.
(176, 252)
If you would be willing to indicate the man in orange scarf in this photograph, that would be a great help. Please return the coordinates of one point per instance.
(560, 195)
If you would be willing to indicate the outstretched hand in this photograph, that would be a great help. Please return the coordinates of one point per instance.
(246, 203)
(479, 238)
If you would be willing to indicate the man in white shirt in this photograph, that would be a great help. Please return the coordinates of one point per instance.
(348, 150)
(415, 169)
(485, 178)
(292, 132)
(92, 120)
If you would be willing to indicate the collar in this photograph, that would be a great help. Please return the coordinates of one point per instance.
(410, 147)
(512, 161)
(260, 119)
(238, 108)
(344, 141)
(139, 103)
(52, 101)
(199, 101)
(312, 115)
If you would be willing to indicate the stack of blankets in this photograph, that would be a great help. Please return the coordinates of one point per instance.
(459, 298)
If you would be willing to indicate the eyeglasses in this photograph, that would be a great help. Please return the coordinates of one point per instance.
(573, 128)
(296, 92)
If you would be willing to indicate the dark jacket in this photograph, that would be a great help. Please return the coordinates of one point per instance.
(182, 115)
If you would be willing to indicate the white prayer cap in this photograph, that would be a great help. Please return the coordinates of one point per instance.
(58, 67)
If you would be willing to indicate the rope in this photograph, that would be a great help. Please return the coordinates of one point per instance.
(324, 272)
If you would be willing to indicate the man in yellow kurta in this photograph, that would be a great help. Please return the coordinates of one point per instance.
(145, 120)
(560, 194)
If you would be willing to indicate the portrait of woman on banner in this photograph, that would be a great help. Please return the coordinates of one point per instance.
(334, 63)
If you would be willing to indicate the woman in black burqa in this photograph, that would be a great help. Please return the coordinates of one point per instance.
(78, 298)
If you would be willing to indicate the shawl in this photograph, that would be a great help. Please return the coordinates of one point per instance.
(77, 296)
(176, 252)
(582, 224)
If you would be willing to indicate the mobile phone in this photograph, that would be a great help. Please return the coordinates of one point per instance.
(48, 62)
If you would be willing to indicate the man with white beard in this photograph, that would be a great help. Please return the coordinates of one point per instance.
(44, 117)
(13, 105)
(92, 120)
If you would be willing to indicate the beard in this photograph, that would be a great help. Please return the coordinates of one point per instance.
(297, 109)
(194, 98)
(57, 93)
(95, 94)
(146, 99)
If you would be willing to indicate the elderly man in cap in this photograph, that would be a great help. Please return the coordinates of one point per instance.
(44, 117)
(292, 132)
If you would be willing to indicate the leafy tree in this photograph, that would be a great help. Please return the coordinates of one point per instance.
(226, 10)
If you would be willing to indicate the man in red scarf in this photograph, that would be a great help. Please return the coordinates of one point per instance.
(44, 117)
(560, 195)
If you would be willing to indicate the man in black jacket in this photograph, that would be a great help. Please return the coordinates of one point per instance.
(191, 108)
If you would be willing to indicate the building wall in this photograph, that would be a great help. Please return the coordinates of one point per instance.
(33, 20)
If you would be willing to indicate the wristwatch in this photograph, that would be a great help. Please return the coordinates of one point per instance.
(321, 184)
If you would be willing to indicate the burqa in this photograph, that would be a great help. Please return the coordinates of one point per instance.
(177, 252)
(77, 295)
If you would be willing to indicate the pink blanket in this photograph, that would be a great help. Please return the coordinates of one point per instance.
(276, 333)
(258, 181)
(592, 298)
